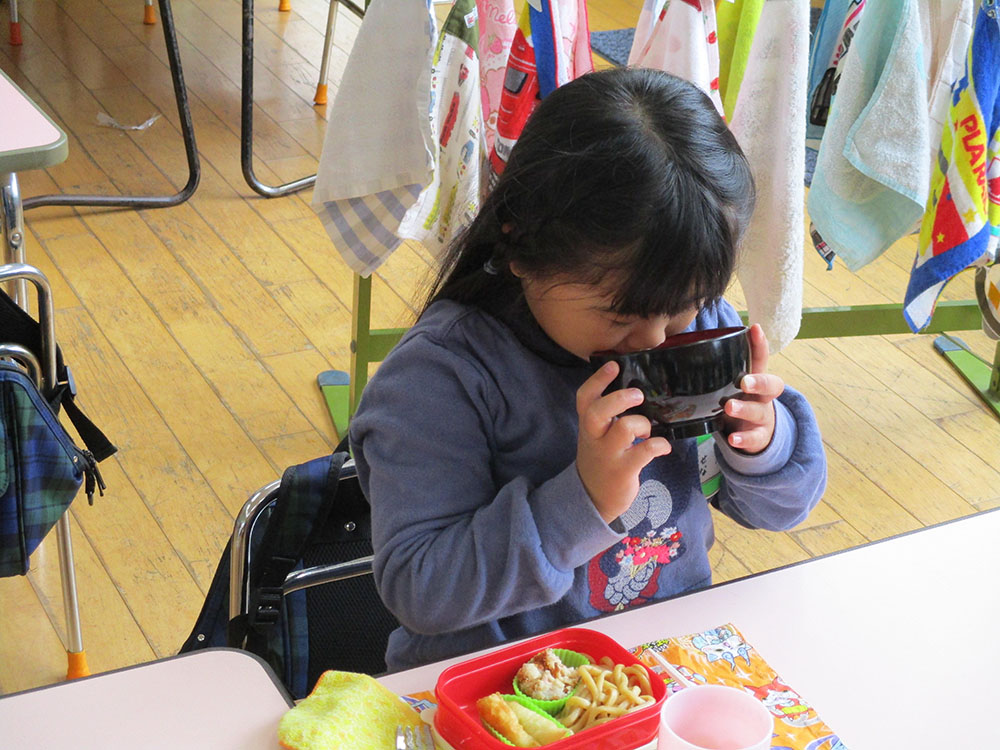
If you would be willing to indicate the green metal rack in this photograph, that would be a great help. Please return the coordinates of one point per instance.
(342, 391)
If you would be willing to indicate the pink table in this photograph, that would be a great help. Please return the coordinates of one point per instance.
(28, 138)
(216, 699)
(893, 643)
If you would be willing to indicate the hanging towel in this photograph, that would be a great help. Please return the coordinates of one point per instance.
(378, 149)
(551, 46)
(450, 201)
(769, 123)
(517, 99)
(872, 171)
(962, 222)
(681, 39)
(648, 17)
(838, 22)
(945, 25)
(948, 44)
(737, 22)
(561, 37)
(497, 23)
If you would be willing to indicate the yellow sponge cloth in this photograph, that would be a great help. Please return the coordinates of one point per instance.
(345, 710)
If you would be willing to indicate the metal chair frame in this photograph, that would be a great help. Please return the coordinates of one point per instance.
(239, 559)
(45, 377)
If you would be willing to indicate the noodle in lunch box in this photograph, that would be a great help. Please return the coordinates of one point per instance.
(607, 690)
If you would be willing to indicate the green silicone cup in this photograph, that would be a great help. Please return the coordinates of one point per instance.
(529, 704)
(570, 659)
(497, 734)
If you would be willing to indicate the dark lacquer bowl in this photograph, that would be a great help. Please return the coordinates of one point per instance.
(686, 380)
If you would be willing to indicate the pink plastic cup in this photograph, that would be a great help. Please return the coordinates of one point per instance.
(714, 717)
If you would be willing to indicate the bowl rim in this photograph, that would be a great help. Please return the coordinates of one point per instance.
(723, 334)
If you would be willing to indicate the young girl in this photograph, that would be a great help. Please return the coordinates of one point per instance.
(509, 496)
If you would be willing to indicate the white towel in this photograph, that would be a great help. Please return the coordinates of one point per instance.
(378, 149)
(769, 122)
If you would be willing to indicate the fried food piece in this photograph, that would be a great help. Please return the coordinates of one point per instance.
(541, 728)
(544, 677)
(498, 714)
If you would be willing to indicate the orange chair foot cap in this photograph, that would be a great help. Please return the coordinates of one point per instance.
(284, 5)
(77, 665)
(320, 97)
(149, 15)
(15, 33)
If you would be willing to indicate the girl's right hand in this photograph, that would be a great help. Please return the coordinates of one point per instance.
(608, 457)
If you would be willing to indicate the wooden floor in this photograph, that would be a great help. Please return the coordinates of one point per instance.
(196, 332)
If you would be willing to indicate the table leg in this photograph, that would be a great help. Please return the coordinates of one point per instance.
(324, 65)
(187, 129)
(15, 25)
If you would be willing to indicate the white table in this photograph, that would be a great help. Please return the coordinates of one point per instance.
(896, 644)
(216, 699)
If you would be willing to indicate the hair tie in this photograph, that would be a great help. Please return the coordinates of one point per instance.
(490, 267)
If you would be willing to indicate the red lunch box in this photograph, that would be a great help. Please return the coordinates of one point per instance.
(460, 686)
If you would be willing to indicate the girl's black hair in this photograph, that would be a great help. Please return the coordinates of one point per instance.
(627, 171)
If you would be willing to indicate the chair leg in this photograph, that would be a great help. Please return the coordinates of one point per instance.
(12, 227)
(76, 656)
(12, 223)
(331, 23)
(149, 14)
(284, 6)
(15, 25)
(187, 130)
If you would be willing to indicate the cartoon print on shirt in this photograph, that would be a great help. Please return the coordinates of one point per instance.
(626, 573)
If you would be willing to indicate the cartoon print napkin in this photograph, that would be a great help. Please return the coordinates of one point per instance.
(721, 656)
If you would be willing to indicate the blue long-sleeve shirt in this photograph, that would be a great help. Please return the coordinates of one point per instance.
(465, 441)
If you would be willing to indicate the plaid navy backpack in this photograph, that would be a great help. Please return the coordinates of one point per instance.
(316, 518)
(42, 469)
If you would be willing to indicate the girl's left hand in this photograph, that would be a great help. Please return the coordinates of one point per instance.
(751, 422)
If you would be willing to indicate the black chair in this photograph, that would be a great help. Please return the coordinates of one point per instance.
(294, 584)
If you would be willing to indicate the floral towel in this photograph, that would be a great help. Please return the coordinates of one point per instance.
(721, 656)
